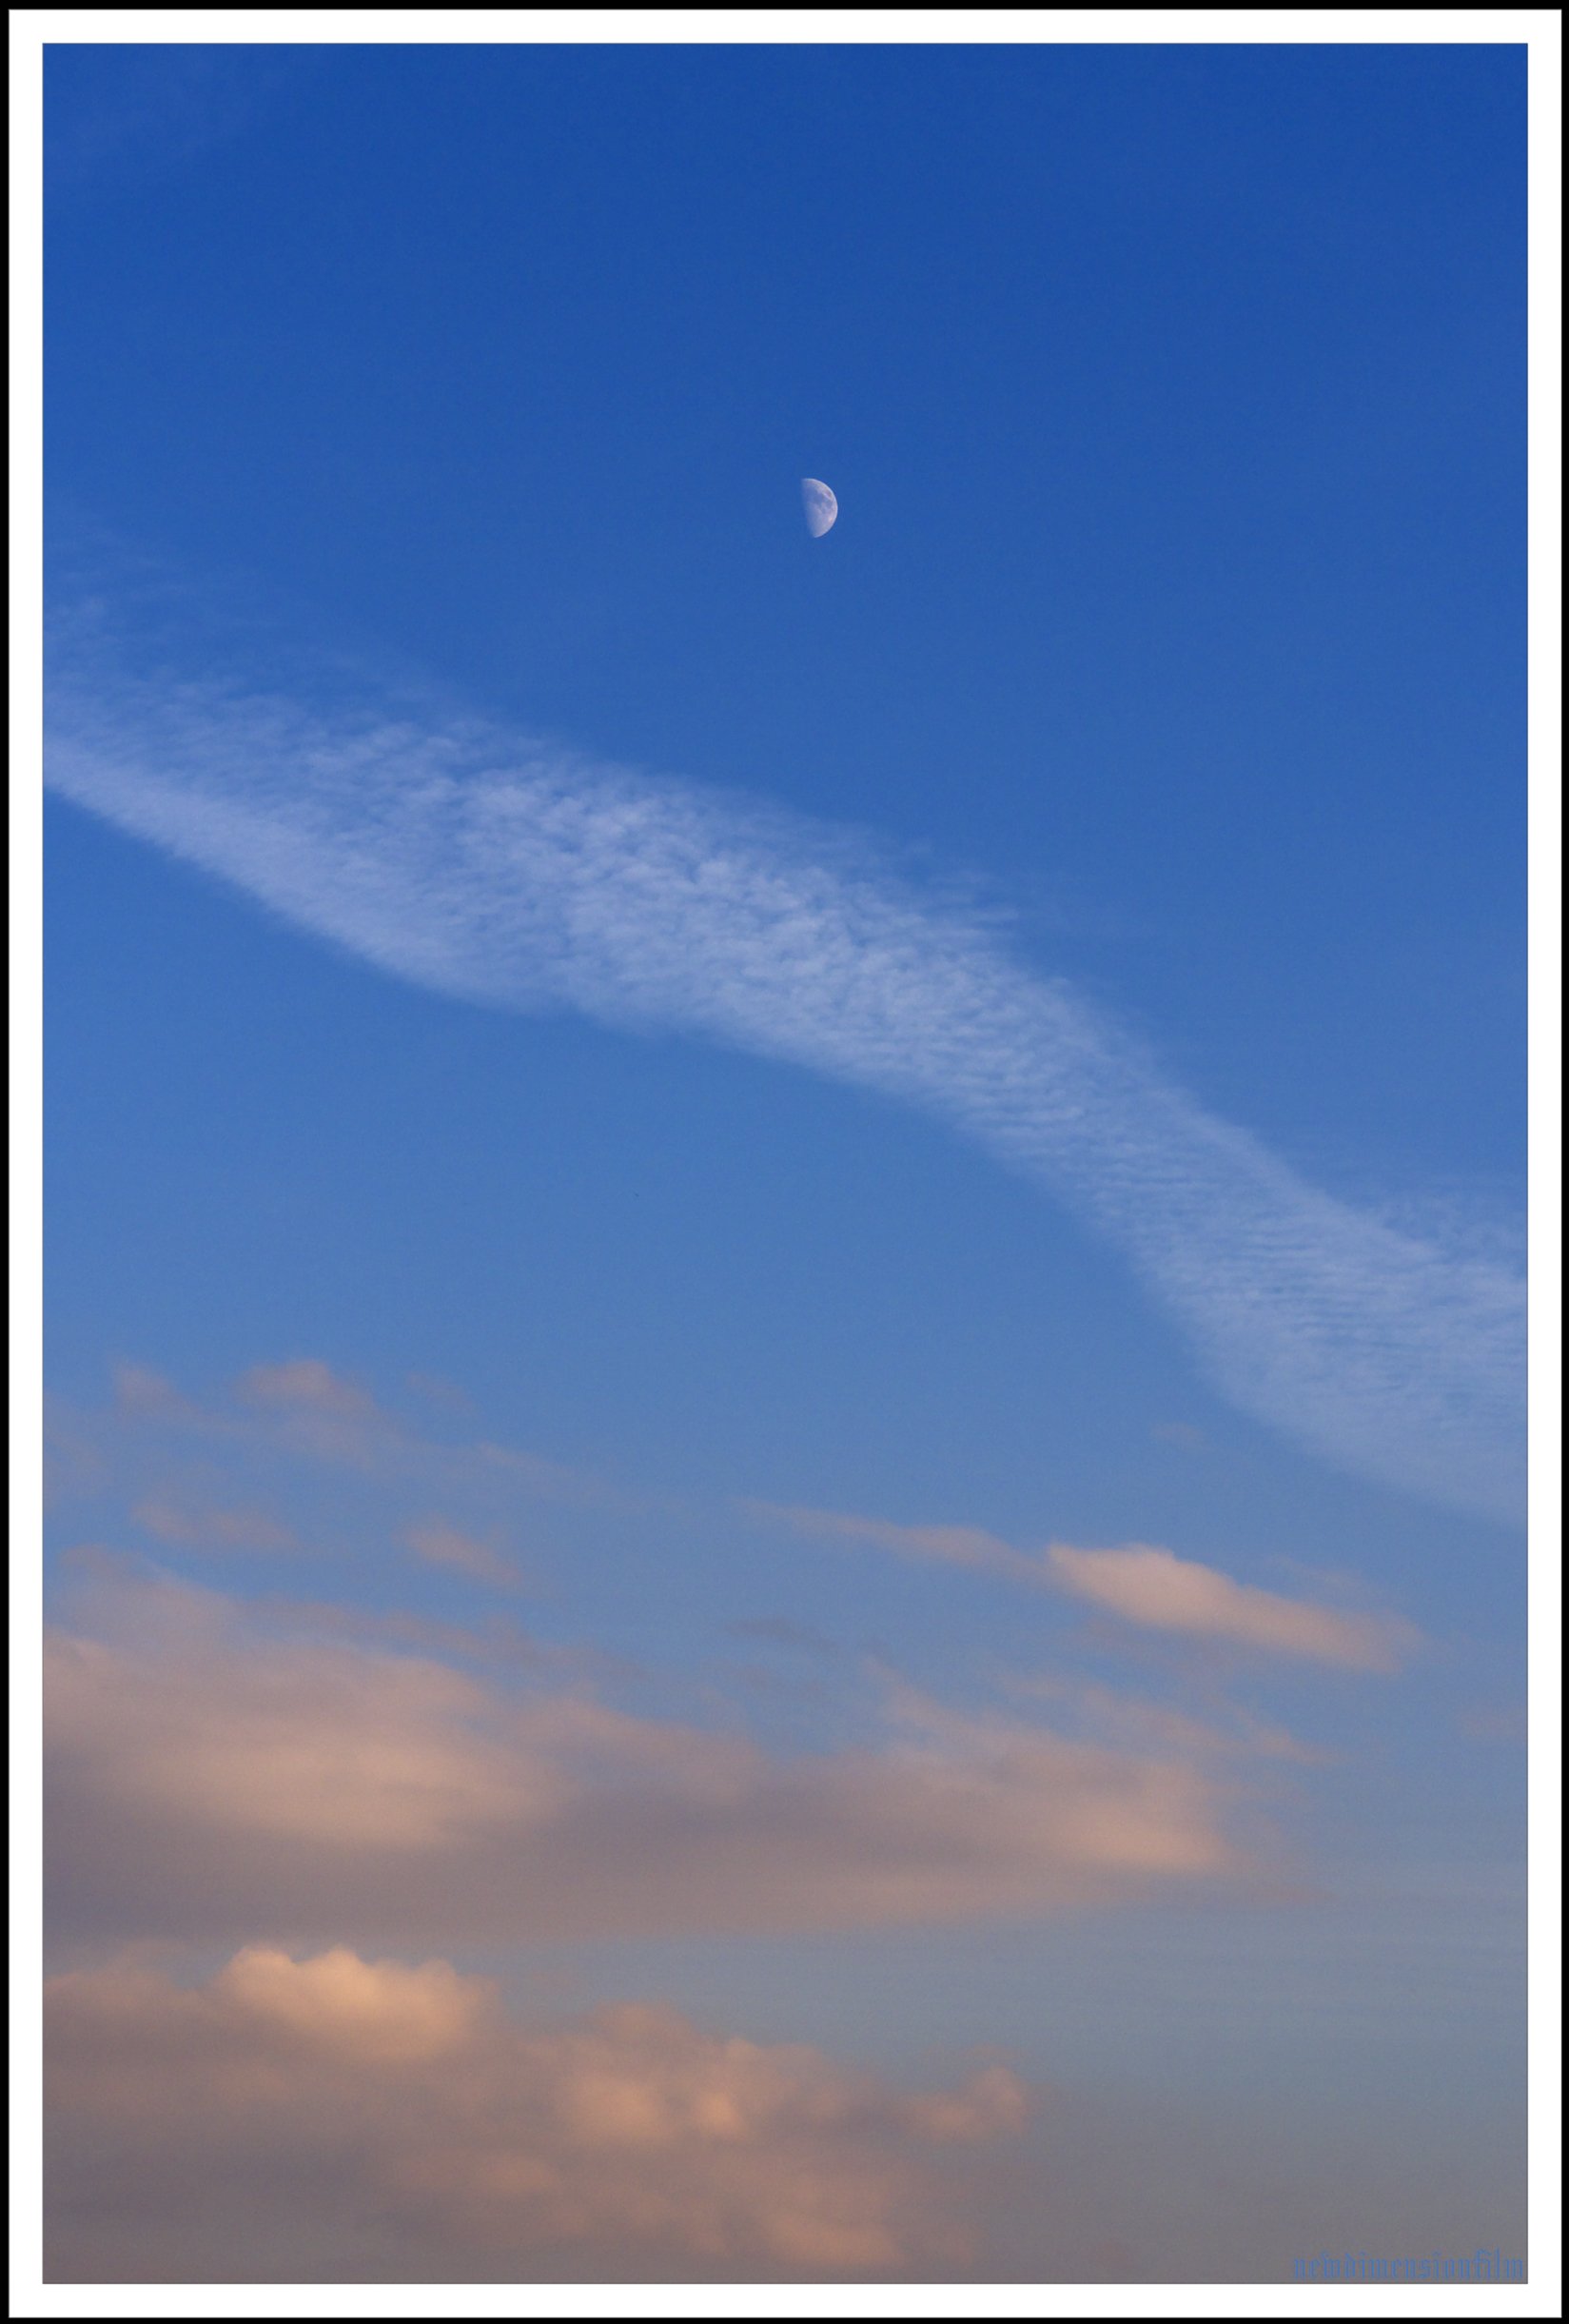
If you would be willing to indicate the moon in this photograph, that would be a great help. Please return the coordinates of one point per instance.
(820, 507)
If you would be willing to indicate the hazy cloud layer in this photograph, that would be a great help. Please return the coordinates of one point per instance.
(1142, 1583)
(460, 857)
(388, 2119)
(213, 1769)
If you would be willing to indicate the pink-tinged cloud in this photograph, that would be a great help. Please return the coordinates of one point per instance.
(942, 1544)
(1163, 1592)
(388, 2120)
(208, 1776)
(304, 1384)
(440, 1544)
(1143, 1584)
(140, 1392)
(196, 1525)
(288, 1417)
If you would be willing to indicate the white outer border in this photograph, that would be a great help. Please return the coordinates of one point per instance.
(1536, 28)
(986, 26)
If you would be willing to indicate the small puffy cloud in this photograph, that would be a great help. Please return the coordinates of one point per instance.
(1142, 1583)
(209, 1774)
(1161, 1591)
(440, 1544)
(499, 1640)
(287, 2102)
(194, 1525)
(140, 1392)
(339, 2004)
(304, 1384)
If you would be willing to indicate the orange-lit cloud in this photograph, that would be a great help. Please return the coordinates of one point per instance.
(1164, 1592)
(209, 1774)
(286, 2103)
(1141, 1584)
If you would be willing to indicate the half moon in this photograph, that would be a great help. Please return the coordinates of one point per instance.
(820, 507)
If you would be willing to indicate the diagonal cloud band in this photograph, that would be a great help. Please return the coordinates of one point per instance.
(467, 860)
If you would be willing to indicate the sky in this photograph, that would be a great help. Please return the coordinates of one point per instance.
(785, 1274)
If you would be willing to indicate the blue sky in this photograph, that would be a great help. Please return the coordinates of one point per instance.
(1152, 718)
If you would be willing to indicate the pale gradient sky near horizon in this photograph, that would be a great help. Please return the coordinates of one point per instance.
(466, 1350)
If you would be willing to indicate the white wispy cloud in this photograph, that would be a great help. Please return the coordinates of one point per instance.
(459, 856)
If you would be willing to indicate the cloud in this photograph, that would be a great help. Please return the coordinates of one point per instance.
(210, 1770)
(338, 2005)
(196, 1474)
(146, 1394)
(304, 1384)
(942, 1544)
(777, 1630)
(439, 1391)
(278, 2109)
(498, 1642)
(1164, 1592)
(1135, 1724)
(440, 1544)
(458, 856)
(1181, 1433)
(198, 1527)
(1142, 1584)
